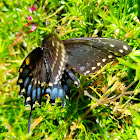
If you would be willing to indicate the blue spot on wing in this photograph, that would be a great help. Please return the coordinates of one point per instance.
(29, 90)
(54, 93)
(38, 95)
(61, 93)
(33, 95)
(48, 91)
(26, 82)
(43, 91)
(66, 89)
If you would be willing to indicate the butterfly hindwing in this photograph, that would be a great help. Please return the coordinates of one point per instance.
(31, 74)
(87, 55)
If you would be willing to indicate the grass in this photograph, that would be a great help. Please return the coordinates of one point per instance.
(88, 115)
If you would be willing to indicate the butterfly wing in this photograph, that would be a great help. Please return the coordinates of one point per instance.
(54, 52)
(31, 74)
(42, 70)
(86, 55)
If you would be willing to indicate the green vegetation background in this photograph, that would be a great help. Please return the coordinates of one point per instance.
(118, 19)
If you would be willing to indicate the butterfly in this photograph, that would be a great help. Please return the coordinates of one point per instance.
(49, 69)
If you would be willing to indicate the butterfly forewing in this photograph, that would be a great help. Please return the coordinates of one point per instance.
(87, 55)
(54, 52)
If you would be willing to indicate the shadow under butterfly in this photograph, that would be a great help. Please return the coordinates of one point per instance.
(50, 69)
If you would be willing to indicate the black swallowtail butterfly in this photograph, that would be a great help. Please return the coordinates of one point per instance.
(49, 69)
